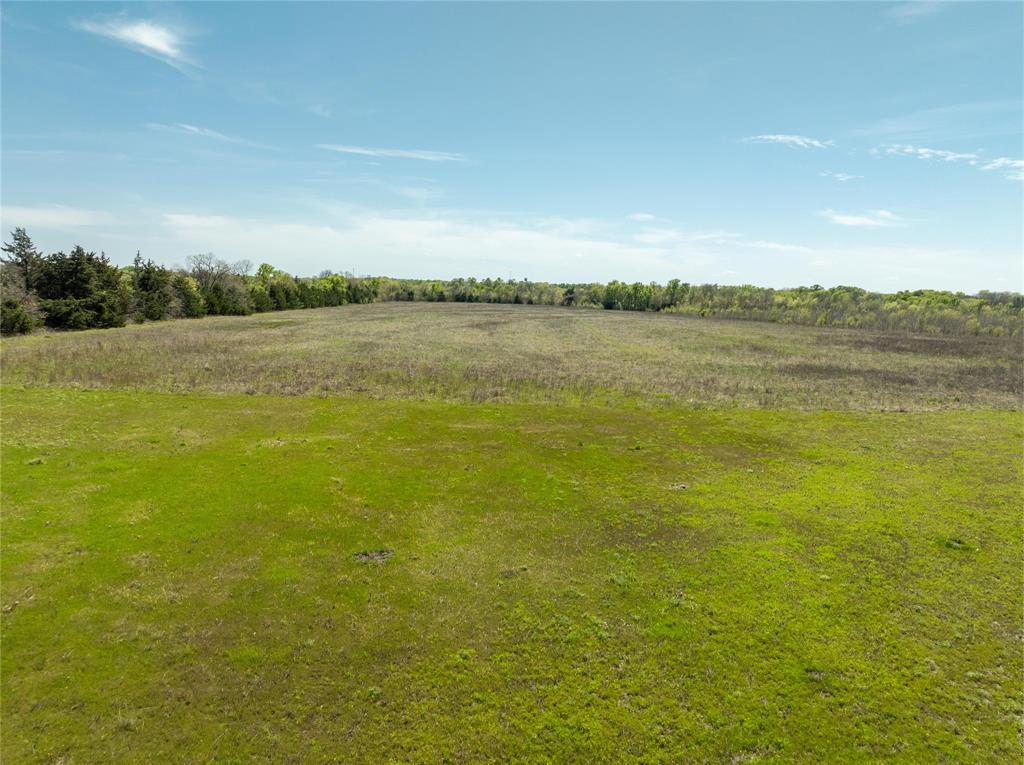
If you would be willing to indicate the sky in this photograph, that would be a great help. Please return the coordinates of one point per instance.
(778, 144)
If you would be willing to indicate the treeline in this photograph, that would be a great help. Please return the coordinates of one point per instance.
(82, 290)
(923, 311)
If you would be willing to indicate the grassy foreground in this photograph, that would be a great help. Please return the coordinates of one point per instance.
(198, 577)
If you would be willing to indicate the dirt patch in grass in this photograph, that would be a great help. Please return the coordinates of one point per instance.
(378, 556)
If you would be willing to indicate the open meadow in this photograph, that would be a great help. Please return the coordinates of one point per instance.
(441, 533)
(537, 354)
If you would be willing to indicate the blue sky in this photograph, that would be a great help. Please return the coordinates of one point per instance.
(875, 144)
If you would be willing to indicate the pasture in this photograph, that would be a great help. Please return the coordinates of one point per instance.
(540, 354)
(435, 533)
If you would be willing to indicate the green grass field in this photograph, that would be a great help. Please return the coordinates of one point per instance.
(431, 534)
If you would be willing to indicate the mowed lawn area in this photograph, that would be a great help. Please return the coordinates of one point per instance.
(440, 533)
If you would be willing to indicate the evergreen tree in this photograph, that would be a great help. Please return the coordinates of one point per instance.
(152, 292)
(23, 256)
(81, 290)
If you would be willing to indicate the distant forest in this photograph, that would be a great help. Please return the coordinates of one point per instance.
(83, 290)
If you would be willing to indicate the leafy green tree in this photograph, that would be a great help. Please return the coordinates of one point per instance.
(364, 290)
(334, 288)
(260, 298)
(222, 284)
(188, 297)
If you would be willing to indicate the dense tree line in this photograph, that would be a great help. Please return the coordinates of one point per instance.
(82, 290)
(925, 311)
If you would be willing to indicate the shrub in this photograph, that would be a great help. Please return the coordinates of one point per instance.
(19, 309)
(14, 318)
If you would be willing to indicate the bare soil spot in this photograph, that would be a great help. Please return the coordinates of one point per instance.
(375, 555)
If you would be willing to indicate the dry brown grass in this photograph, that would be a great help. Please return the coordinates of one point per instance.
(530, 353)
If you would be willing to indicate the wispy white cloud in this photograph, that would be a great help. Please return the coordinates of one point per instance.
(793, 141)
(715, 237)
(438, 242)
(724, 240)
(459, 242)
(641, 217)
(443, 243)
(425, 244)
(419, 194)
(677, 235)
(1014, 167)
(760, 244)
(921, 152)
(203, 132)
(429, 156)
(569, 227)
(52, 216)
(841, 177)
(415, 188)
(156, 39)
(320, 111)
(660, 236)
(910, 12)
(869, 219)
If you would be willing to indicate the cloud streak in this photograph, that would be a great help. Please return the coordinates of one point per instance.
(423, 243)
(907, 13)
(870, 219)
(841, 177)
(921, 152)
(203, 132)
(53, 216)
(460, 242)
(425, 155)
(1013, 168)
(160, 41)
(792, 141)
(464, 241)
(449, 243)
(956, 122)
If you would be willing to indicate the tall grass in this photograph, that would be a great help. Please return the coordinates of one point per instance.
(530, 353)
